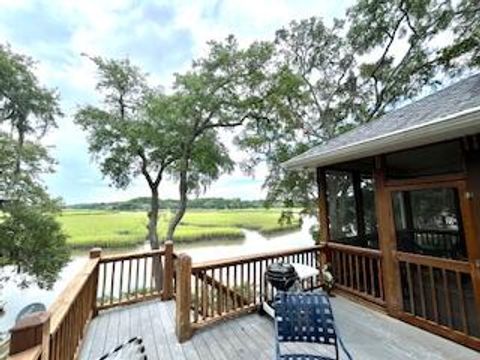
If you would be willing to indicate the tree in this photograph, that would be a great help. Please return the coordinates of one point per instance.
(133, 133)
(329, 79)
(30, 238)
(308, 102)
(34, 242)
(221, 91)
(26, 106)
(200, 165)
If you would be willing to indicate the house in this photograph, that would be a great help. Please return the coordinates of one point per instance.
(414, 176)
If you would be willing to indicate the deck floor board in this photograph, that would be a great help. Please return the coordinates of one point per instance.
(368, 334)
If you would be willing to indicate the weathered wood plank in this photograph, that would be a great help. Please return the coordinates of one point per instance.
(169, 323)
(367, 334)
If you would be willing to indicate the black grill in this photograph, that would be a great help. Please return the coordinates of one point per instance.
(281, 276)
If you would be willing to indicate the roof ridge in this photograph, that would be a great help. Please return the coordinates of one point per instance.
(416, 102)
(451, 102)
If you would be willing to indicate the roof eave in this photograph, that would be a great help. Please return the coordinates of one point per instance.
(460, 124)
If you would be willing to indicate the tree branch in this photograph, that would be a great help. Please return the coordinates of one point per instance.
(144, 169)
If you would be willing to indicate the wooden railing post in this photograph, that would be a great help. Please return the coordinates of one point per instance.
(95, 253)
(323, 217)
(167, 292)
(387, 240)
(33, 330)
(183, 327)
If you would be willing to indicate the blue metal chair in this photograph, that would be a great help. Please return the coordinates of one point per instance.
(305, 318)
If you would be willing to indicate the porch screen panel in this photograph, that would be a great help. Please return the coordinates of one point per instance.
(428, 222)
(344, 213)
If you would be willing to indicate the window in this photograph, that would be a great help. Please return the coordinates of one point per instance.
(351, 209)
(428, 222)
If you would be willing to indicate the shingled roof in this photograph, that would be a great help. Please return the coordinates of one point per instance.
(446, 114)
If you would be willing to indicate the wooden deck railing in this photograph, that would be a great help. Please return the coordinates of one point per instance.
(130, 278)
(358, 271)
(439, 291)
(219, 289)
(72, 311)
(104, 282)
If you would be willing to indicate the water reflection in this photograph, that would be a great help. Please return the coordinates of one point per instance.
(209, 250)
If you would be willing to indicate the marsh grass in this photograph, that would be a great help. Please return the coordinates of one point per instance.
(264, 221)
(112, 229)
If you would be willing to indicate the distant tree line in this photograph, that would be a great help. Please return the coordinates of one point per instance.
(143, 203)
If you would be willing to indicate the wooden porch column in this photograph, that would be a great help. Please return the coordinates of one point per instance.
(324, 233)
(471, 220)
(183, 326)
(167, 292)
(387, 240)
(31, 331)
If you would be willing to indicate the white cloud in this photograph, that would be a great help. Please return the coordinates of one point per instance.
(162, 36)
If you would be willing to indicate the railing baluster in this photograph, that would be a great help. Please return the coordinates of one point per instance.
(364, 275)
(344, 264)
(137, 277)
(422, 293)
(462, 302)
(447, 297)
(261, 295)
(220, 291)
(195, 299)
(235, 304)
(112, 283)
(153, 288)
(434, 294)
(254, 283)
(247, 284)
(205, 294)
(242, 287)
(372, 277)
(104, 268)
(380, 278)
(357, 273)
(144, 276)
(212, 293)
(129, 278)
(410, 288)
(228, 292)
(350, 270)
(121, 281)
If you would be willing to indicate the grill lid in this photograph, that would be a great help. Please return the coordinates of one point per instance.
(281, 270)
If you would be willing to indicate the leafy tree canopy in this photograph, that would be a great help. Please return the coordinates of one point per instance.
(134, 132)
(30, 238)
(328, 79)
(220, 91)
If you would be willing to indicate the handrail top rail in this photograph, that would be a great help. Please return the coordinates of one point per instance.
(436, 262)
(131, 255)
(60, 307)
(357, 250)
(33, 353)
(254, 257)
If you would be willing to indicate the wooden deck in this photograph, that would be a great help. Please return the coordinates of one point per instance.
(368, 335)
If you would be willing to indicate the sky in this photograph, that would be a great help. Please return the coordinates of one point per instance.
(162, 37)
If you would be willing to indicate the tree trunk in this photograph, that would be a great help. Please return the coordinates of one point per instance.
(153, 239)
(153, 220)
(182, 207)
